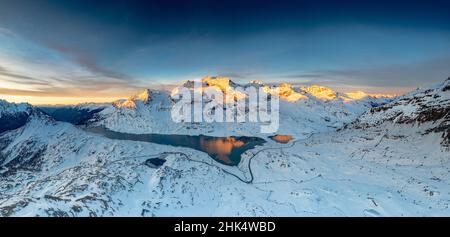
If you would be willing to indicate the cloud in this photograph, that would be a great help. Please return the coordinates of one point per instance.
(84, 60)
(83, 87)
(27, 68)
(18, 92)
(400, 77)
(6, 75)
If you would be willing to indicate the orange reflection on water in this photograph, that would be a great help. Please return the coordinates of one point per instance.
(221, 147)
(282, 138)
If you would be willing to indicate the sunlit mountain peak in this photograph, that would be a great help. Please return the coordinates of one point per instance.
(144, 96)
(320, 92)
(130, 103)
(224, 83)
(285, 91)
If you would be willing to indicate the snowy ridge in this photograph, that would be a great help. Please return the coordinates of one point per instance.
(7, 108)
(426, 110)
(13, 116)
(143, 98)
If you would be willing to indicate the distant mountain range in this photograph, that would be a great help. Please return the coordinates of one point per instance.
(310, 108)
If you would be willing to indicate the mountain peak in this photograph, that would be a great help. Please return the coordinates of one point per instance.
(224, 83)
(428, 105)
(130, 103)
(12, 115)
(144, 96)
(10, 108)
(320, 92)
(285, 91)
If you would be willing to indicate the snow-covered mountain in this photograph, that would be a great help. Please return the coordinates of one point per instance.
(424, 111)
(307, 107)
(390, 161)
(13, 116)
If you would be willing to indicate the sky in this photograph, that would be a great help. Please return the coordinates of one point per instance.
(67, 51)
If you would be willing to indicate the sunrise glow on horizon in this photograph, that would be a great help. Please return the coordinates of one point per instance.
(57, 100)
(84, 58)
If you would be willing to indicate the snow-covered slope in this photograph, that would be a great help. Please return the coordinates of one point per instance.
(423, 111)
